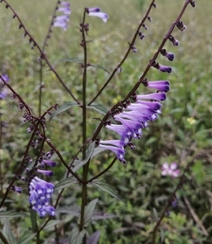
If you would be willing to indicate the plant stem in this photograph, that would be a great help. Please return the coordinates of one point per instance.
(84, 131)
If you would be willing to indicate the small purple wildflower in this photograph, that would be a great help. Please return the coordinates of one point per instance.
(170, 170)
(3, 93)
(93, 10)
(17, 189)
(164, 68)
(48, 163)
(45, 172)
(161, 85)
(116, 147)
(96, 12)
(169, 55)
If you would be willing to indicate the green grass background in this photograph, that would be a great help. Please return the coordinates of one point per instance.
(182, 130)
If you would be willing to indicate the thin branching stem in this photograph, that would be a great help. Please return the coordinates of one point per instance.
(142, 78)
(126, 54)
(42, 54)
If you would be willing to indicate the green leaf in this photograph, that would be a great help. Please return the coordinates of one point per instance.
(33, 218)
(51, 224)
(8, 214)
(63, 108)
(7, 232)
(89, 154)
(94, 238)
(65, 183)
(106, 188)
(98, 107)
(77, 236)
(72, 211)
(89, 211)
(98, 150)
(27, 236)
(100, 216)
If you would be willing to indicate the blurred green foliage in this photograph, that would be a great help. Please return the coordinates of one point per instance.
(182, 131)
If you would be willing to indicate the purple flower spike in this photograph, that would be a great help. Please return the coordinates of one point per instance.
(96, 12)
(40, 195)
(162, 85)
(170, 170)
(160, 96)
(45, 172)
(166, 69)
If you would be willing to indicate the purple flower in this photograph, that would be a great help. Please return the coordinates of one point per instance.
(65, 10)
(170, 56)
(164, 68)
(93, 10)
(116, 147)
(170, 170)
(3, 95)
(133, 118)
(96, 12)
(160, 96)
(45, 172)
(62, 21)
(16, 189)
(40, 192)
(161, 85)
(49, 163)
(4, 78)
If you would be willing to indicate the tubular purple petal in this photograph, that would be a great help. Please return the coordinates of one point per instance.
(65, 10)
(101, 15)
(66, 4)
(116, 143)
(45, 172)
(49, 163)
(166, 69)
(160, 96)
(159, 85)
(118, 151)
(93, 10)
(170, 56)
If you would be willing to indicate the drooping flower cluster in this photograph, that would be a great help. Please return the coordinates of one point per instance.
(40, 195)
(170, 170)
(96, 12)
(3, 93)
(62, 20)
(134, 117)
(40, 191)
